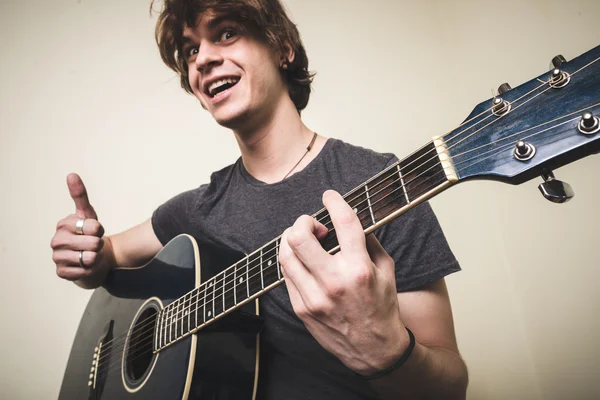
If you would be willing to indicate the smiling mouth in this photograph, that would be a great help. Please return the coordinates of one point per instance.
(220, 86)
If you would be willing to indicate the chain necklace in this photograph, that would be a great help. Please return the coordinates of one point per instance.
(312, 142)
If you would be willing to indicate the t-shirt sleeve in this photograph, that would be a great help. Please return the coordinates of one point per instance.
(419, 248)
(171, 218)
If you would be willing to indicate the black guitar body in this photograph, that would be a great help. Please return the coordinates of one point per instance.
(218, 362)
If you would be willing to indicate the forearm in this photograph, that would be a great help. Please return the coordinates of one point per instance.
(429, 373)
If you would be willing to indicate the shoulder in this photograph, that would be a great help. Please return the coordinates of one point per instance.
(355, 164)
(192, 198)
(351, 153)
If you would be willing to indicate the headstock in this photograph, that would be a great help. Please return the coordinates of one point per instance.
(530, 130)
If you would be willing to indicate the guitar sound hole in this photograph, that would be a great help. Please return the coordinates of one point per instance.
(139, 356)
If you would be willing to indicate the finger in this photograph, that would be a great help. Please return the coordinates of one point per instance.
(72, 273)
(68, 241)
(302, 238)
(295, 297)
(378, 255)
(71, 258)
(91, 227)
(293, 268)
(78, 193)
(348, 228)
(308, 302)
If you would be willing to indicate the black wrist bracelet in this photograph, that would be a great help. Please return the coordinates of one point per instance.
(398, 363)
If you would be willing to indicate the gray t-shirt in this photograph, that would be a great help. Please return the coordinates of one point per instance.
(239, 212)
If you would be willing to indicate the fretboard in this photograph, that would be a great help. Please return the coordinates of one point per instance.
(399, 187)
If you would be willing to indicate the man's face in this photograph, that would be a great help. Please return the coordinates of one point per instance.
(235, 77)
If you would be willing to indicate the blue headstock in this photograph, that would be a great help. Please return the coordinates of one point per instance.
(529, 130)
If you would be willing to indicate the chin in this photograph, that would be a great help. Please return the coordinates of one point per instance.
(232, 119)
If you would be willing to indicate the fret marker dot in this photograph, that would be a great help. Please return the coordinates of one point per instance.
(241, 280)
(209, 313)
(270, 262)
(355, 210)
(210, 284)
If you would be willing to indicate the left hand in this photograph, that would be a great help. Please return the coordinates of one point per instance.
(348, 300)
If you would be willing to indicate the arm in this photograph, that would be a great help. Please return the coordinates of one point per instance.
(99, 254)
(435, 357)
(131, 248)
(348, 302)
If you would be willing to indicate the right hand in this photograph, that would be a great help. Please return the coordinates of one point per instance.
(67, 244)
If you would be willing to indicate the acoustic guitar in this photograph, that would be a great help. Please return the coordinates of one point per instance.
(186, 325)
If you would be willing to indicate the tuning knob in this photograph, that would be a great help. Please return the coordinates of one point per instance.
(505, 87)
(589, 124)
(523, 151)
(558, 61)
(554, 190)
(559, 78)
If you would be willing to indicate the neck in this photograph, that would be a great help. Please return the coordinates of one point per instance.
(271, 149)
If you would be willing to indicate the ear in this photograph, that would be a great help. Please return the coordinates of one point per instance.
(287, 55)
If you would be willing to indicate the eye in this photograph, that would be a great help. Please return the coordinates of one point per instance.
(192, 51)
(227, 34)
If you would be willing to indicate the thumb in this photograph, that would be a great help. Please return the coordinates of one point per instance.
(83, 208)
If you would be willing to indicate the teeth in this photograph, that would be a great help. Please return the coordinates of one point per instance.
(213, 86)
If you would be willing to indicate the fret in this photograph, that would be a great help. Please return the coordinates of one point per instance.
(202, 304)
(229, 287)
(171, 322)
(204, 313)
(386, 193)
(160, 327)
(234, 285)
(181, 315)
(269, 263)
(168, 324)
(241, 289)
(178, 315)
(247, 280)
(195, 307)
(369, 203)
(422, 171)
(277, 242)
(403, 185)
(262, 278)
(218, 290)
(254, 274)
(186, 313)
(213, 298)
(156, 330)
(223, 288)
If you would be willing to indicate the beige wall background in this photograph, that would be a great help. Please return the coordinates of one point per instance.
(82, 89)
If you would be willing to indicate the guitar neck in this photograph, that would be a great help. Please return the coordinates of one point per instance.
(542, 124)
(400, 187)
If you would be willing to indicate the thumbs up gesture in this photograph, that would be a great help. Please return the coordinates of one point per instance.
(77, 243)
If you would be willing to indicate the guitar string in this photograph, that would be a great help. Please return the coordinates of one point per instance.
(186, 307)
(184, 310)
(425, 154)
(391, 168)
(145, 342)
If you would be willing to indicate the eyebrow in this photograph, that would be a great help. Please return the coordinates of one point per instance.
(212, 24)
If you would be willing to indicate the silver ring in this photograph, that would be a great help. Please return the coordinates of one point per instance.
(81, 259)
(79, 226)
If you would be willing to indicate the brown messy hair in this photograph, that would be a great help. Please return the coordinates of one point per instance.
(265, 19)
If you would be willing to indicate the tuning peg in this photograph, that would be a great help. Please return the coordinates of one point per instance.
(505, 87)
(557, 61)
(554, 190)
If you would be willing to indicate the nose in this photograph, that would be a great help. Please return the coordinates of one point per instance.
(208, 56)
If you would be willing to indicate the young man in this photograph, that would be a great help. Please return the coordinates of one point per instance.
(376, 309)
